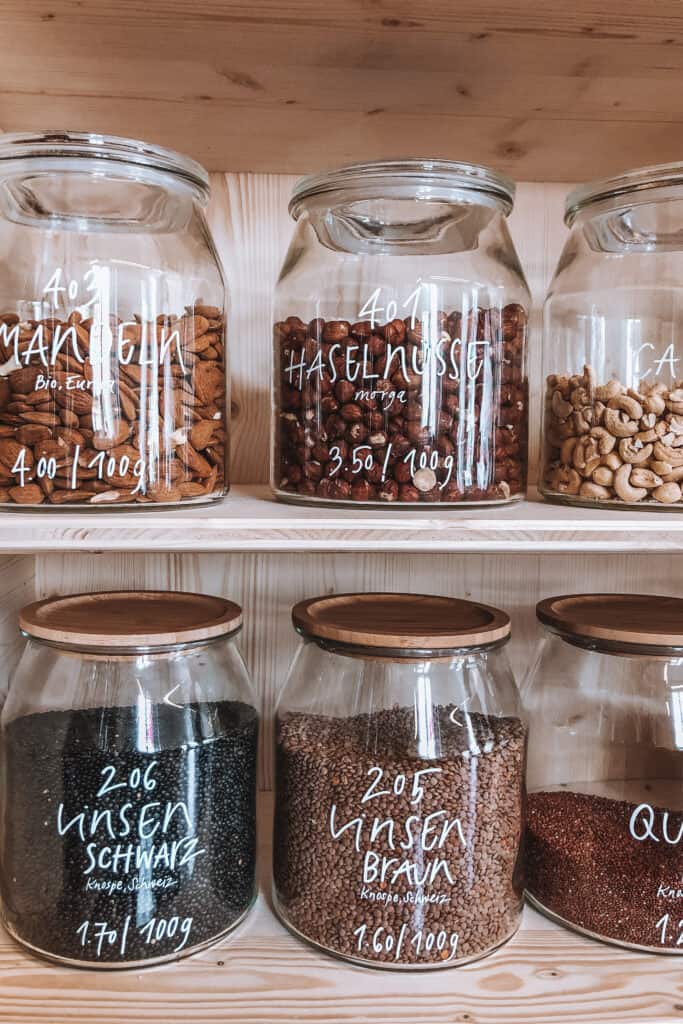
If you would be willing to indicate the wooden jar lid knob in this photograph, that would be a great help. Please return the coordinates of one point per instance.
(136, 618)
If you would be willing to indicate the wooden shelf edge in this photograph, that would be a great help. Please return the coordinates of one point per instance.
(262, 975)
(249, 521)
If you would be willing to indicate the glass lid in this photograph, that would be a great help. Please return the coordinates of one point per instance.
(630, 184)
(417, 179)
(89, 145)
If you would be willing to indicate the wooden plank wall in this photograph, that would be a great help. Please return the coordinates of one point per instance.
(543, 89)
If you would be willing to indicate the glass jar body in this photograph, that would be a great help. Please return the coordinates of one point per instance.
(400, 355)
(127, 797)
(611, 358)
(113, 379)
(399, 806)
(604, 837)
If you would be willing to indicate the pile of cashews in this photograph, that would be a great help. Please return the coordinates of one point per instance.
(606, 442)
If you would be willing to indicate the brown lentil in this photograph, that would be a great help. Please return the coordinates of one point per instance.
(453, 891)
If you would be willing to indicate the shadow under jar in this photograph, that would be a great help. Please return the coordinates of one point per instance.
(128, 786)
(113, 385)
(400, 754)
(400, 339)
(612, 431)
(604, 840)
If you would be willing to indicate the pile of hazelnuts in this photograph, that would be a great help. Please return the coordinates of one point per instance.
(402, 411)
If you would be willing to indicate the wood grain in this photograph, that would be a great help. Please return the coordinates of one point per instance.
(402, 621)
(542, 90)
(263, 975)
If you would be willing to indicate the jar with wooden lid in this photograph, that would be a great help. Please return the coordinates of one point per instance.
(604, 838)
(400, 751)
(128, 783)
(613, 319)
(113, 385)
(400, 339)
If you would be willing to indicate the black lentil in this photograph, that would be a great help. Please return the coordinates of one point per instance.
(354, 869)
(156, 809)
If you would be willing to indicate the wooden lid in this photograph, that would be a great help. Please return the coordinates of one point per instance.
(136, 618)
(406, 621)
(643, 619)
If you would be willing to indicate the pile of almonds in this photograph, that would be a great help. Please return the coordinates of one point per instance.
(77, 430)
(391, 412)
(607, 442)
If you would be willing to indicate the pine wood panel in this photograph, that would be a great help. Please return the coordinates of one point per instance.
(17, 586)
(263, 975)
(543, 90)
(249, 220)
(250, 520)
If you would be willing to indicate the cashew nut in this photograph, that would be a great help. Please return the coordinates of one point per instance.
(622, 486)
(628, 404)
(567, 449)
(580, 398)
(648, 420)
(662, 468)
(675, 475)
(595, 491)
(586, 456)
(582, 420)
(675, 400)
(618, 422)
(607, 391)
(604, 476)
(668, 493)
(560, 408)
(611, 460)
(566, 480)
(646, 436)
(676, 424)
(606, 441)
(664, 453)
(641, 477)
(634, 452)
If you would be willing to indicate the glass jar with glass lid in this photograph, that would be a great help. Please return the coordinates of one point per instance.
(400, 751)
(604, 841)
(612, 430)
(112, 326)
(400, 339)
(128, 783)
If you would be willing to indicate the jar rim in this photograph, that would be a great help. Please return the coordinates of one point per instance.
(628, 184)
(415, 178)
(118, 149)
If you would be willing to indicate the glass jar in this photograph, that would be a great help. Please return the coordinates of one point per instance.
(604, 836)
(400, 754)
(613, 417)
(128, 785)
(400, 339)
(112, 326)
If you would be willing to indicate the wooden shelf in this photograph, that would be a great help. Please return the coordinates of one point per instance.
(263, 975)
(543, 90)
(248, 520)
